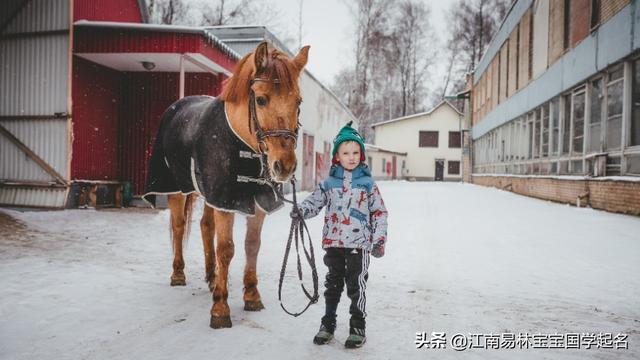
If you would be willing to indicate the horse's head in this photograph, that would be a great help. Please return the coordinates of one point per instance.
(265, 83)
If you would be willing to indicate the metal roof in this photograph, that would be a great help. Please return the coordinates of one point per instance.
(162, 28)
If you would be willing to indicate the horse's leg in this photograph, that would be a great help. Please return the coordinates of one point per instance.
(220, 314)
(252, 300)
(207, 227)
(178, 227)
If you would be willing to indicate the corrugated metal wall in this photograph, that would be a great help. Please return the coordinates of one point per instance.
(33, 83)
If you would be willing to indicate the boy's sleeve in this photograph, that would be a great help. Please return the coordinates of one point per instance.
(312, 205)
(378, 217)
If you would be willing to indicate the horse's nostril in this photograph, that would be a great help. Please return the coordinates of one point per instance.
(277, 166)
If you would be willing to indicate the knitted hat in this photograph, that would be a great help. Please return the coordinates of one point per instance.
(347, 133)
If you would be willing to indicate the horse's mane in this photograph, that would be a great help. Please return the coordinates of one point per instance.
(236, 88)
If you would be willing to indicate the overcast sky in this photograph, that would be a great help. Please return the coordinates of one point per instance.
(328, 28)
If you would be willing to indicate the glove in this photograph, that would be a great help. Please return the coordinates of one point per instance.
(296, 214)
(378, 249)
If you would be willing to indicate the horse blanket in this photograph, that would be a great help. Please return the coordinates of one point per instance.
(196, 150)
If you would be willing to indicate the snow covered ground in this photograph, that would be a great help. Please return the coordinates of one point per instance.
(86, 284)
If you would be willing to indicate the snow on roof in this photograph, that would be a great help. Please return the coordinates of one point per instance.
(162, 28)
(443, 102)
(375, 147)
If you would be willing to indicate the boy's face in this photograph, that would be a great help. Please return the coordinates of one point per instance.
(349, 154)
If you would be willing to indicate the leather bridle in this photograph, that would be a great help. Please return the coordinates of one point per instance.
(262, 134)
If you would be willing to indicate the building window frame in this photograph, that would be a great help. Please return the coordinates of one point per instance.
(428, 138)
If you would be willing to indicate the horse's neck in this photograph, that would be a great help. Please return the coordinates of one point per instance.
(238, 115)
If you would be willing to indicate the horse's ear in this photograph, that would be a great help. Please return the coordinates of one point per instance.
(301, 59)
(261, 56)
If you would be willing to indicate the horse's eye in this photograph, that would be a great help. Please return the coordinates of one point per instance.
(261, 100)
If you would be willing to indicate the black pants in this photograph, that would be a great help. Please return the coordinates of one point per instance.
(346, 266)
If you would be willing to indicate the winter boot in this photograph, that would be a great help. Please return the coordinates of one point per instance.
(325, 334)
(356, 338)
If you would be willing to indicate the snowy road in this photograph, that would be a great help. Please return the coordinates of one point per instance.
(84, 284)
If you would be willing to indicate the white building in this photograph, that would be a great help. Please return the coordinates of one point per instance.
(431, 141)
(385, 164)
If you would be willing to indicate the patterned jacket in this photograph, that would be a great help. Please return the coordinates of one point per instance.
(355, 216)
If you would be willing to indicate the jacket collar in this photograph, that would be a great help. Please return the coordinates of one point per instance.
(361, 170)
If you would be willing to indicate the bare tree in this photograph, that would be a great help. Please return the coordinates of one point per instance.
(214, 12)
(474, 23)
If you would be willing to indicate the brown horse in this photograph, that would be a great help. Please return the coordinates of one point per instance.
(260, 103)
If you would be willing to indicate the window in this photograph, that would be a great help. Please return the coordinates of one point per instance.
(595, 116)
(453, 167)
(595, 13)
(614, 110)
(578, 121)
(384, 165)
(544, 113)
(555, 126)
(566, 124)
(370, 162)
(529, 135)
(635, 112)
(536, 132)
(454, 139)
(428, 139)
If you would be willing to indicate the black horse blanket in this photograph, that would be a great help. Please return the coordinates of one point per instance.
(197, 150)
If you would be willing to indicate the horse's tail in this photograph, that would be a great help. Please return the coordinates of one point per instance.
(188, 213)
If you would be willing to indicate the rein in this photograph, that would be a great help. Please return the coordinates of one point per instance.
(297, 231)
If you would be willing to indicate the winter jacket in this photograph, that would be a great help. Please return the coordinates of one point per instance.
(355, 215)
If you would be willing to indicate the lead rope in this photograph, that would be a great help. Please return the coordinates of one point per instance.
(297, 231)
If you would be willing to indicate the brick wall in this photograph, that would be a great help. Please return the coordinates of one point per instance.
(580, 20)
(556, 30)
(512, 84)
(608, 8)
(494, 82)
(615, 196)
(523, 50)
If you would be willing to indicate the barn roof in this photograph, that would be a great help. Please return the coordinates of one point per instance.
(123, 46)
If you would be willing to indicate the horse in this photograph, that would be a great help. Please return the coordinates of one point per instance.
(235, 150)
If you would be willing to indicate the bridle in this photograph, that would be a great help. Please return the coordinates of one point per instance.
(261, 134)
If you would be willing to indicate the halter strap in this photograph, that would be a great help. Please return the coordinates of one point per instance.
(254, 124)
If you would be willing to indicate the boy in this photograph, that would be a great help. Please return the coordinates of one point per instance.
(355, 224)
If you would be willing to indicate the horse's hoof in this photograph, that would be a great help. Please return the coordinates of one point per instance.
(218, 322)
(253, 305)
(178, 281)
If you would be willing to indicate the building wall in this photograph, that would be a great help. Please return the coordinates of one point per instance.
(524, 51)
(610, 195)
(321, 116)
(540, 37)
(376, 159)
(556, 30)
(580, 20)
(513, 60)
(96, 106)
(403, 136)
